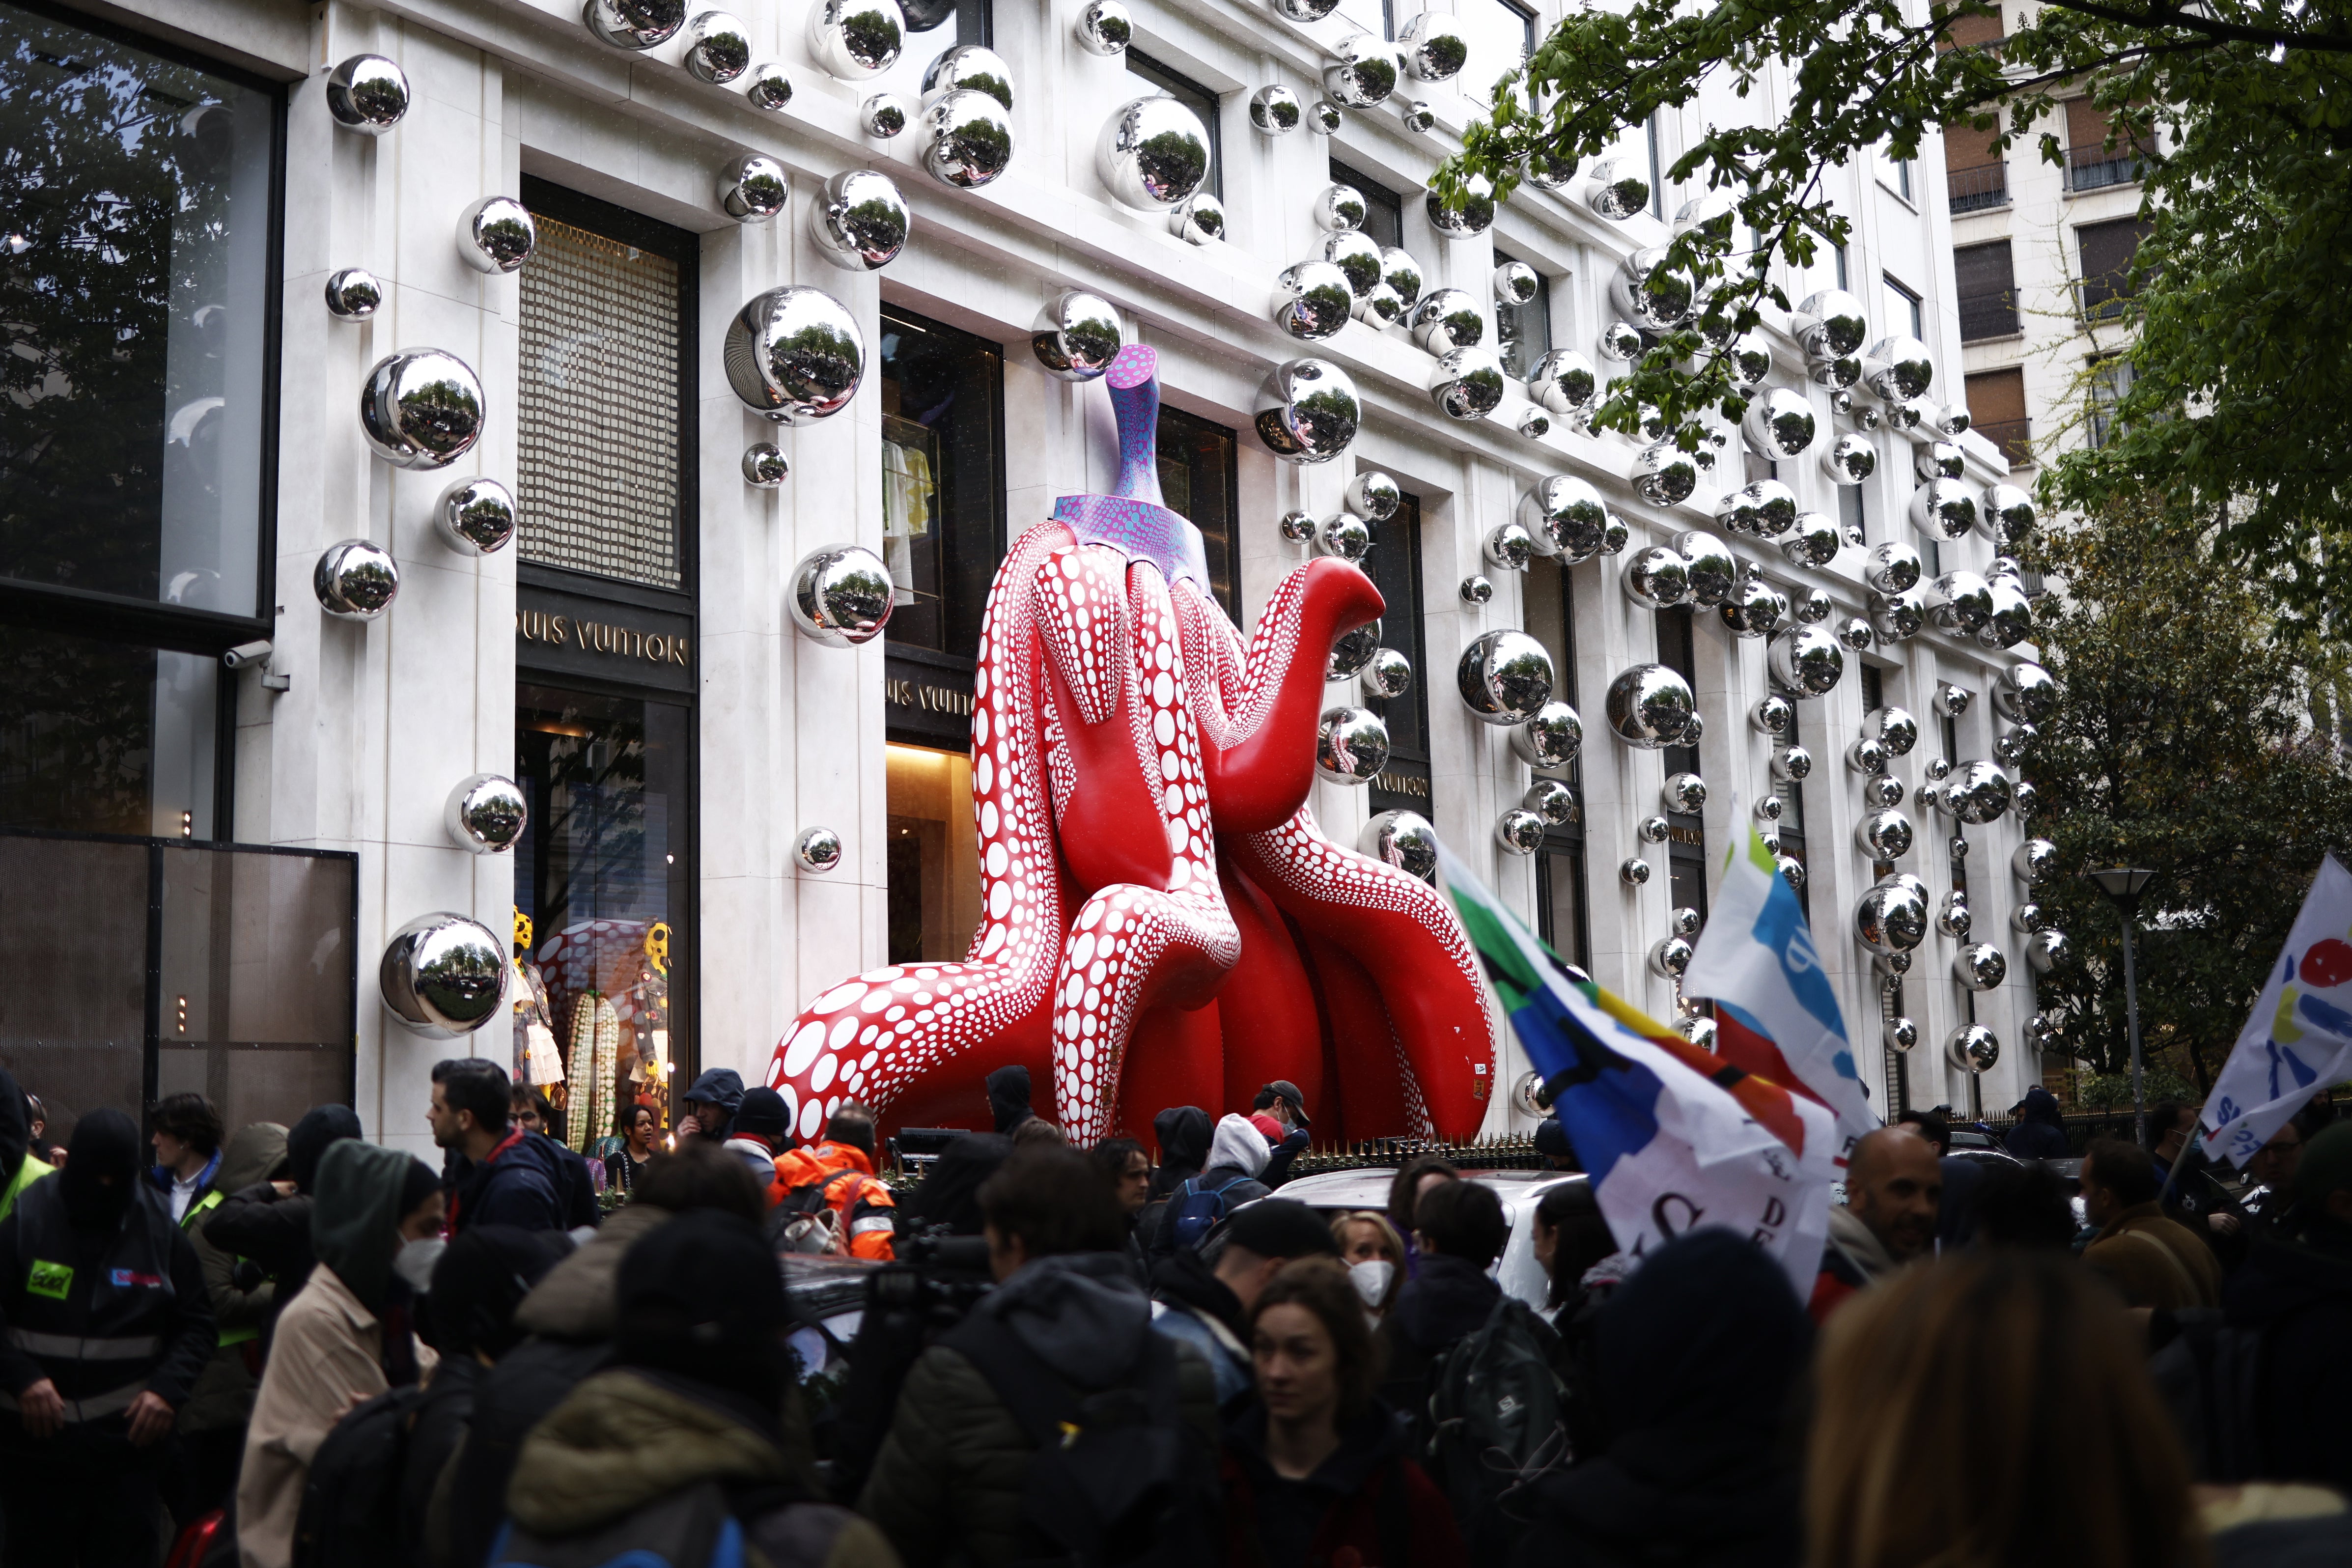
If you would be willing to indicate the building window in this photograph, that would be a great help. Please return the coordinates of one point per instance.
(1200, 480)
(934, 855)
(1383, 208)
(1851, 517)
(1685, 834)
(1195, 97)
(2108, 250)
(1791, 796)
(1997, 412)
(1903, 314)
(1501, 37)
(1563, 918)
(2091, 164)
(942, 482)
(1523, 332)
(1984, 282)
(1658, 177)
(1976, 178)
(605, 411)
(1393, 565)
(2110, 379)
(101, 737)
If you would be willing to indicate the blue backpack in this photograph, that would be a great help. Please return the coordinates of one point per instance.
(1197, 1209)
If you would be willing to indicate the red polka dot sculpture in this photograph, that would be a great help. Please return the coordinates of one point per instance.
(1163, 922)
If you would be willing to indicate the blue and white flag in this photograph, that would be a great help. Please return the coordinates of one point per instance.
(2299, 1040)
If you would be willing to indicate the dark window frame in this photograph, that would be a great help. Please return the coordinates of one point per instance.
(1228, 584)
(1537, 311)
(1201, 99)
(1406, 523)
(1379, 200)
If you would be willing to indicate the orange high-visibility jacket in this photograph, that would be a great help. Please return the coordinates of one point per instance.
(840, 1177)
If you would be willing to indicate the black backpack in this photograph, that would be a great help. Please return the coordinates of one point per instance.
(1194, 1210)
(1499, 1415)
(2209, 1377)
(349, 1516)
(1116, 1481)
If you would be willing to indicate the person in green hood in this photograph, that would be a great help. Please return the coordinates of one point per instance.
(345, 1338)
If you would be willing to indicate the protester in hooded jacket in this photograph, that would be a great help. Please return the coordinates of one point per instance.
(1237, 1153)
(2041, 1130)
(480, 1279)
(710, 1105)
(1009, 1098)
(212, 1424)
(690, 1425)
(348, 1337)
(104, 1328)
(1699, 1353)
(1317, 1469)
(950, 1477)
(499, 1174)
(1460, 1227)
(267, 1224)
(1183, 1134)
(20, 1163)
(569, 1318)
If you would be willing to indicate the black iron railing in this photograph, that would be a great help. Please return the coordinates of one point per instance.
(1977, 189)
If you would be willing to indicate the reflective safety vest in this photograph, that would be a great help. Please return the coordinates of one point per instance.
(99, 1329)
(31, 1170)
(202, 1206)
(839, 1176)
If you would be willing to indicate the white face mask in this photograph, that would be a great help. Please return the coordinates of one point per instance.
(1372, 1278)
(413, 1262)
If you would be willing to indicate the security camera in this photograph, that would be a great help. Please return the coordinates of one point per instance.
(246, 653)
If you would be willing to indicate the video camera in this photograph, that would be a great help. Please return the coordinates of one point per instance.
(936, 1279)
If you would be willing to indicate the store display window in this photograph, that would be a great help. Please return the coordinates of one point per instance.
(1199, 481)
(934, 859)
(1393, 563)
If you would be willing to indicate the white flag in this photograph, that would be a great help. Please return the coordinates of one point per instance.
(2299, 1040)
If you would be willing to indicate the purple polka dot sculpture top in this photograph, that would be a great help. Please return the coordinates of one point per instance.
(1134, 522)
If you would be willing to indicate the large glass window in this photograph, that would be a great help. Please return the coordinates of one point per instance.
(1561, 915)
(1903, 312)
(605, 876)
(943, 486)
(1383, 208)
(1393, 563)
(1984, 279)
(100, 738)
(1200, 100)
(1523, 332)
(934, 858)
(1501, 36)
(2108, 251)
(136, 304)
(1199, 479)
(1686, 832)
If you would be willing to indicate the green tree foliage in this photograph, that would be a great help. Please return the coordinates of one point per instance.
(2181, 742)
(2249, 195)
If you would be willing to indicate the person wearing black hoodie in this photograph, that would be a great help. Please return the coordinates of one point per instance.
(267, 1224)
(1699, 1354)
(2041, 1130)
(1008, 1097)
(104, 1328)
(500, 1175)
(1460, 1229)
(1183, 1133)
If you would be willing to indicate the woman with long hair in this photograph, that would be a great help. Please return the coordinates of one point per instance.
(634, 1126)
(1375, 1254)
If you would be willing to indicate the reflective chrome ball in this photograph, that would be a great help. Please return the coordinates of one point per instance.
(1884, 836)
(1339, 208)
(717, 48)
(353, 294)
(1477, 590)
(2034, 861)
(854, 40)
(1669, 957)
(1866, 756)
(1365, 72)
(1980, 791)
(886, 114)
(764, 466)
(1104, 28)
(862, 223)
(1618, 536)
(2007, 516)
(1077, 335)
(1417, 116)
(1404, 839)
(1807, 661)
(1960, 601)
(1683, 794)
(635, 24)
(1814, 541)
(1565, 516)
(1829, 325)
(487, 814)
(1899, 368)
(1473, 217)
(1508, 546)
(1899, 1033)
(444, 976)
(1767, 811)
(1389, 675)
(1655, 577)
(1764, 508)
(1780, 423)
(1152, 153)
(1616, 190)
(1653, 830)
(1973, 1049)
(1351, 745)
(368, 93)
(1664, 474)
(1951, 702)
(1515, 282)
(1306, 411)
(1892, 728)
(1773, 714)
(1755, 609)
(1792, 765)
(1564, 383)
(1838, 374)
(1551, 738)
(1520, 831)
(796, 355)
(1651, 294)
(1447, 318)
(2012, 619)
(1504, 677)
(2009, 746)
(1533, 422)
(1849, 459)
(1882, 792)
(770, 86)
(1312, 300)
(1952, 917)
(966, 138)
(1297, 527)
(1353, 652)
(753, 188)
(1979, 966)
(2045, 950)
(2026, 693)
(1633, 872)
(1892, 567)
(1651, 707)
(422, 408)
(475, 516)
(1436, 48)
(1374, 496)
(1467, 383)
(1895, 616)
(1401, 273)
(818, 850)
(971, 66)
(1892, 917)
(1938, 460)
(1813, 604)
(1619, 344)
(840, 595)
(2026, 919)
(1546, 170)
(1938, 769)
(1944, 507)
(355, 580)
(1274, 109)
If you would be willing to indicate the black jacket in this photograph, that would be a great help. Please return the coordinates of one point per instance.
(436, 1431)
(2041, 1130)
(578, 1191)
(271, 1229)
(1447, 1300)
(2298, 1296)
(1369, 1502)
(525, 1183)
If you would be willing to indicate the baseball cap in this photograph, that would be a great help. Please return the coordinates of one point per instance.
(1289, 1091)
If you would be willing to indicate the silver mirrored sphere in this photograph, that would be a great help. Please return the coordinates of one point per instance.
(1883, 834)
(1374, 496)
(1566, 516)
(1960, 601)
(1551, 738)
(1339, 208)
(1892, 728)
(886, 114)
(1103, 27)
(1467, 383)
(863, 221)
(1767, 811)
(2026, 919)
(764, 466)
(1401, 273)
(1533, 422)
(2010, 620)
(1152, 153)
(1515, 282)
(353, 294)
(1938, 769)
(1389, 675)
(1895, 616)
(1520, 831)
(1650, 292)
(2007, 516)
(1762, 509)
(1792, 765)
(1565, 383)
(2033, 861)
(1814, 541)
(1364, 72)
(770, 86)
(1619, 535)
(796, 355)
(1353, 652)
(1650, 706)
(855, 40)
(1938, 460)
(1780, 423)
(1664, 474)
(1973, 1049)
(2027, 693)
(367, 93)
(634, 25)
(1849, 459)
(1773, 714)
(1312, 300)
(966, 138)
(1351, 745)
(1755, 609)
(422, 408)
(1980, 791)
(1892, 918)
(487, 814)
(1807, 661)
(1866, 756)
(1669, 957)
(1504, 677)
(753, 188)
(1447, 318)
(1654, 829)
(1656, 577)
(444, 976)
(1692, 730)
(1343, 534)
(1838, 374)
(1714, 569)
(2045, 950)
(1274, 109)
(1979, 966)
(1297, 527)
(1899, 1033)
(1951, 702)
(1436, 48)
(1380, 306)
(1813, 604)
(1477, 590)
(1546, 170)
(355, 580)
(1509, 547)
(1473, 217)
(1404, 839)
(1952, 917)
(475, 516)
(1683, 794)
(1417, 116)
(1899, 368)
(1551, 800)
(718, 48)
(840, 595)
(1882, 792)
(1077, 335)
(1617, 189)
(972, 66)
(1633, 872)
(1892, 567)
(1829, 324)
(1306, 411)
(2010, 747)
(818, 850)
(1946, 509)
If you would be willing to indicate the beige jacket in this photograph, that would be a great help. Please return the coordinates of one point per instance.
(326, 1358)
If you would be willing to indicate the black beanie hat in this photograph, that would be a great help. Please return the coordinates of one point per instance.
(1281, 1227)
(761, 1112)
(702, 1297)
(307, 1140)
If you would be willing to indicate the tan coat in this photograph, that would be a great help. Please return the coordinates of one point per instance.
(327, 1357)
(2156, 1261)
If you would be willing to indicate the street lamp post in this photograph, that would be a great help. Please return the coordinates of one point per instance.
(2123, 885)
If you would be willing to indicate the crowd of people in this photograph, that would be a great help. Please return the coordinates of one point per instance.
(292, 1346)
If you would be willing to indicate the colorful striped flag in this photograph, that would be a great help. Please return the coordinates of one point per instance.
(1672, 1137)
(1776, 1012)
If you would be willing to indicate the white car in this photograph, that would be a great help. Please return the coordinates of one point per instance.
(1337, 1192)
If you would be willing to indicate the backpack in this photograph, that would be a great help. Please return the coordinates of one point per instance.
(1499, 1416)
(694, 1528)
(2209, 1377)
(349, 1516)
(1116, 1481)
(1195, 1210)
